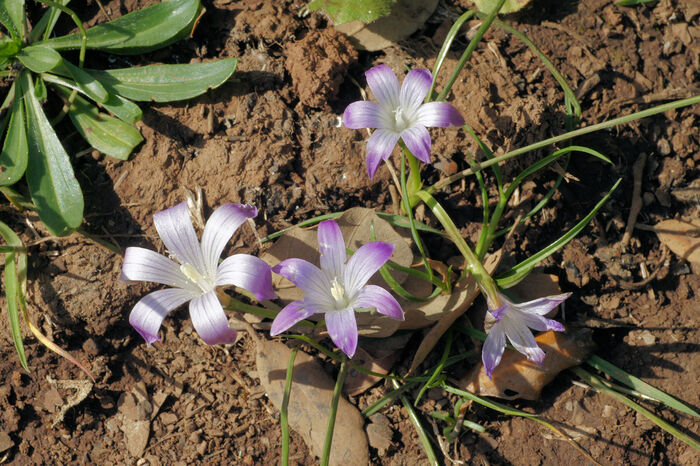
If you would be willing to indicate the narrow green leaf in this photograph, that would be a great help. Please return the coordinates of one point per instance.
(12, 291)
(87, 83)
(105, 133)
(46, 24)
(52, 183)
(632, 2)
(137, 32)
(12, 17)
(122, 108)
(166, 83)
(402, 222)
(13, 158)
(639, 385)
(598, 385)
(38, 58)
(520, 271)
(422, 434)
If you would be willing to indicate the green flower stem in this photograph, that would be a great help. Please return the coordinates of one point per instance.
(334, 410)
(409, 213)
(470, 49)
(239, 306)
(482, 277)
(414, 183)
(81, 57)
(563, 137)
(284, 421)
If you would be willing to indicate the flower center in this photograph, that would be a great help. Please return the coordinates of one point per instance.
(196, 278)
(338, 293)
(401, 120)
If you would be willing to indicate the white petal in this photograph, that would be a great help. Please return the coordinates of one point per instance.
(175, 229)
(144, 265)
(415, 87)
(521, 337)
(210, 321)
(384, 85)
(220, 227)
(332, 247)
(148, 314)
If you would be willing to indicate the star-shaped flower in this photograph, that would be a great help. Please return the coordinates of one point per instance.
(337, 289)
(197, 274)
(399, 113)
(514, 321)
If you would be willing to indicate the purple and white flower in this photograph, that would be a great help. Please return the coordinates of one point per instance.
(337, 289)
(196, 273)
(514, 321)
(399, 113)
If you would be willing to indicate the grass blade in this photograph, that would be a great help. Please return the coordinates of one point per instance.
(639, 385)
(594, 382)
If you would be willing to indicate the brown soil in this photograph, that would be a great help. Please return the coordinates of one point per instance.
(271, 137)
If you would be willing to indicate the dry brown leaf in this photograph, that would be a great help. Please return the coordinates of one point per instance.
(405, 18)
(683, 238)
(516, 377)
(374, 355)
(449, 318)
(309, 403)
(134, 417)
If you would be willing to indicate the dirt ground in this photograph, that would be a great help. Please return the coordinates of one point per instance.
(271, 137)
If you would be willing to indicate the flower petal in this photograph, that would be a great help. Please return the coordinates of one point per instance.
(384, 85)
(379, 147)
(493, 348)
(541, 324)
(175, 229)
(439, 114)
(521, 337)
(210, 321)
(248, 272)
(363, 114)
(144, 265)
(417, 140)
(332, 246)
(220, 227)
(380, 299)
(542, 306)
(291, 314)
(415, 87)
(342, 328)
(364, 263)
(306, 276)
(148, 314)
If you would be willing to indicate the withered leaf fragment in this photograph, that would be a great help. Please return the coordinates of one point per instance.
(516, 377)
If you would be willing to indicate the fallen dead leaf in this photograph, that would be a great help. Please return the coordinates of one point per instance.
(681, 237)
(309, 403)
(134, 418)
(405, 18)
(82, 389)
(516, 377)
